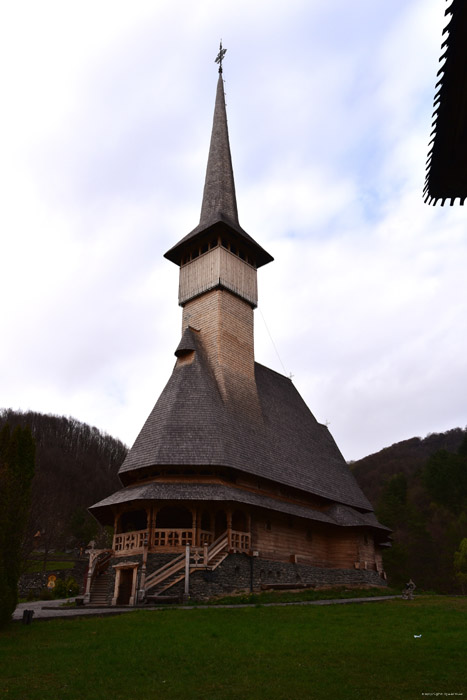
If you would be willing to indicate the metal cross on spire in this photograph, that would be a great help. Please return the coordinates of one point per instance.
(220, 56)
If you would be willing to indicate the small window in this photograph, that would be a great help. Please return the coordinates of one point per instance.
(233, 249)
(195, 254)
(225, 243)
(213, 244)
(205, 248)
(242, 254)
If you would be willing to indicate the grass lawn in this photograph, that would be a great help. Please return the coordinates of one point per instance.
(300, 595)
(343, 652)
(33, 567)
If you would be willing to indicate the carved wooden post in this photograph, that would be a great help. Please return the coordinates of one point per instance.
(205, 554)
(229, 527)
(150, 527)
(196, 526)
(87, 593)
(116, 586)
(142, 580)
(116, 519)
(187, 570)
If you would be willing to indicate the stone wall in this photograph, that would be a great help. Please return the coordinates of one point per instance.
(239, 572)
(36, 582)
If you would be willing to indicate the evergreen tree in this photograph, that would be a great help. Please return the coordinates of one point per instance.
(17, 457)
(460, 564)
(445, 479)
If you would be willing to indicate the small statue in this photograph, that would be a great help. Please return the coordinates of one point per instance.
(409, 588)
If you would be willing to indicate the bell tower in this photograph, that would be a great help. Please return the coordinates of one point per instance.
(218, 270)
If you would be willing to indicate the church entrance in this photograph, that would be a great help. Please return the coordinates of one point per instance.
(125, 586)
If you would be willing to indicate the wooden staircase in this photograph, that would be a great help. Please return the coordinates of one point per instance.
(201, 559)
(99, 590)
(97, 579)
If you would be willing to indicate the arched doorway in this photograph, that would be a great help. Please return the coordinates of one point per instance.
(220, 524)
(240, 535)
(132, 521)
(239, 521)
(174, 516)
(125, 584)
(174, 527)
(125, 587)
(205, 535)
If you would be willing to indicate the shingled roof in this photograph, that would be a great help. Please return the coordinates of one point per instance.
(192, 425)
(157, 491)
(447, 161)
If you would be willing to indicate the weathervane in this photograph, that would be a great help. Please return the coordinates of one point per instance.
(220, 56)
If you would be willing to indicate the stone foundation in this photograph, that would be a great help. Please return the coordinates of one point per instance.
(36, 582)
(242, 573)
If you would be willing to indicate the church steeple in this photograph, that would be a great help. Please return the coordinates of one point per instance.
(219, 199)
(219, 214)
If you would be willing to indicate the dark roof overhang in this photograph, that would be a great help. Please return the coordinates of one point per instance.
(158, 491)
(342, 516)
(446, 177)
(219, 226)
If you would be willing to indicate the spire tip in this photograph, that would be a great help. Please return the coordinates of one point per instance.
(220, 56)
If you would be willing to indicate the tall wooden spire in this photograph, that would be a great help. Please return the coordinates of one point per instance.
(219, 214)
(219, 198)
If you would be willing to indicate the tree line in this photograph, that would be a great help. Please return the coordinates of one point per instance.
(419, 488)
(76, 466)
(17, 458)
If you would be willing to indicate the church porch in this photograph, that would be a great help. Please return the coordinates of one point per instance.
(171, 527)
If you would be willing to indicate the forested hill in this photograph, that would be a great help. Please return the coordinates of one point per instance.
(76, 466)
(407, 457)
(419, 489)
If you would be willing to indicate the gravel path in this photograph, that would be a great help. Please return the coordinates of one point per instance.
(47, 610)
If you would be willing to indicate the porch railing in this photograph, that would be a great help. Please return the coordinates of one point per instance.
(127, 541)
(205, 537)
(239, 541)
(176, 537)
(170, 537)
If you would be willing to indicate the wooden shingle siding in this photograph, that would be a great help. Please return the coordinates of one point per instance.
(218, 268)
(227, 337)
(230, 456)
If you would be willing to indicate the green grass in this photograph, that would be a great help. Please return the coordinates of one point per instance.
(297, 596)
(276, 653)
(33, 567)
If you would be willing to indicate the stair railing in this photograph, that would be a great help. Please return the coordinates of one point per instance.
(164, 572)
(98, 562)
(199, 558)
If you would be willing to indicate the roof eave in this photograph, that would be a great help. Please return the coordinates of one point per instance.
(175, 253)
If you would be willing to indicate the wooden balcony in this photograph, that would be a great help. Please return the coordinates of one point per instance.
(170, 537)
(176, 539)
(130, 541)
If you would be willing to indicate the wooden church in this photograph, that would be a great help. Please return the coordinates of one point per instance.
(231, 484)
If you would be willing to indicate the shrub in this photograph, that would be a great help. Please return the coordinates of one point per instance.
(65, 588)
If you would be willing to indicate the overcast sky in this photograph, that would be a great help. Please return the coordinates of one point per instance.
(104, 128)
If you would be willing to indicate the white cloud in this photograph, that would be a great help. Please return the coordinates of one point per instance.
(104, 145)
